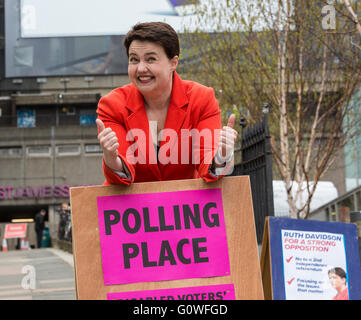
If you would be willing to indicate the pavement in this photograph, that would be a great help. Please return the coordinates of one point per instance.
(37, 274)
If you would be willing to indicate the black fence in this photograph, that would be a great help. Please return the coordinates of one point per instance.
(257, 164)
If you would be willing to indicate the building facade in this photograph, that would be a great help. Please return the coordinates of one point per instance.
(48, 144)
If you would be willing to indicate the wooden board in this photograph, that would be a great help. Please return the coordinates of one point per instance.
(240, 228)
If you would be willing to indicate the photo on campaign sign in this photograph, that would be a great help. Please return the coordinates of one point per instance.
(311, 260)
(163, 236)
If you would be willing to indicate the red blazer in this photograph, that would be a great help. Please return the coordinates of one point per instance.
(192, 106)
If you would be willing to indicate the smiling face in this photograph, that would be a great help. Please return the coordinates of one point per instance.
(149, 69)
(336, 281)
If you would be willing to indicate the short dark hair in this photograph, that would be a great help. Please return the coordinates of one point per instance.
(338, 271)
(158, 32)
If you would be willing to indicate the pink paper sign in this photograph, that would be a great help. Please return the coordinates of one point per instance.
(217, 292)
(162, 236)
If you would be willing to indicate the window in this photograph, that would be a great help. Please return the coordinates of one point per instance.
(93, 148)
(328, 215)
(26, 118)
(38, 151)
(87, 117)
(333, 213)
(344, 208)
(68, 150)
(70, 111)
(358, 200)
(10, 152)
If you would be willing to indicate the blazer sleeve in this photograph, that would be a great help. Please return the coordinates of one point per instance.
(109, 111)
(209, 126)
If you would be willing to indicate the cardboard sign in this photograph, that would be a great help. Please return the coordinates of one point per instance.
(310, 260)
(219, 292)
(162, 236)
(188, 237)
(15, 230)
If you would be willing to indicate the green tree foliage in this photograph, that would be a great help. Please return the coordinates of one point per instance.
(281, 52)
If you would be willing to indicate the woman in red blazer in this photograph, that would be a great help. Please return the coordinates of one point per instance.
(161, 127)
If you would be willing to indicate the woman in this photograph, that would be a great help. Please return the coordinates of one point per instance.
(161, 127)
(337, 278)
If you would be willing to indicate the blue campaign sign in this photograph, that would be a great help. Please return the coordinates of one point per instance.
(307, 259)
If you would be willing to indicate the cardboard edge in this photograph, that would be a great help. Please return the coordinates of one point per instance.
(249, 190)
(134, 185)
(73, 246)
(265, 263)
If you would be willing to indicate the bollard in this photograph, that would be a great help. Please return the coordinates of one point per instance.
(24, 244)
(4, 245)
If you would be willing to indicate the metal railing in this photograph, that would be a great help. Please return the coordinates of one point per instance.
(257, 163)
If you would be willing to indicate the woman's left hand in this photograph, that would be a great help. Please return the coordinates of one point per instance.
(226, 142)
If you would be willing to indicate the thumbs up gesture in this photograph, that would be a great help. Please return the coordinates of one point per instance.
(109, 143)
(226, 142)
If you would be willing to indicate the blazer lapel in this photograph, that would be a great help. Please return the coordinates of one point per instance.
(177, 106)
(138, 120)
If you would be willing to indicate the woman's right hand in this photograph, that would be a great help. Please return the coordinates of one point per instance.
(109, 142)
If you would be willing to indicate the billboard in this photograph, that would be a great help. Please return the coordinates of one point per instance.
(68, 18)
(65, 37)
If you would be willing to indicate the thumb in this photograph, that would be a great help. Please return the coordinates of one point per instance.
(100, 125)
(231, 120)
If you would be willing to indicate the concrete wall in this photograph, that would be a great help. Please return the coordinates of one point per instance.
(39, 174)
(53, 168)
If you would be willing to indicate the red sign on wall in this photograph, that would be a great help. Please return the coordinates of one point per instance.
(15, 230)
